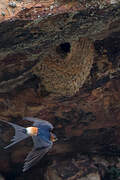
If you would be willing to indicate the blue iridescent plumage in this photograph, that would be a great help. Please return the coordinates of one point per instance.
(44, 133)
(42, 142)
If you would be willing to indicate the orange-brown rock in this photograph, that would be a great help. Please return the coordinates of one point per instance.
(10, 8)
(60, 61)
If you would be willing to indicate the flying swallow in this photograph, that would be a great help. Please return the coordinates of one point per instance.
(42, 136)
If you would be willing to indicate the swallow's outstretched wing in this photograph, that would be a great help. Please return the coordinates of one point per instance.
(37, 122)
(34, 156)
(19, 134)
(40, 149)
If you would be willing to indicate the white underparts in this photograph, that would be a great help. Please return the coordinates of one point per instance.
(29, 130)
(32, 131)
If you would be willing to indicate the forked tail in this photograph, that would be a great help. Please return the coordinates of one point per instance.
(19, 134)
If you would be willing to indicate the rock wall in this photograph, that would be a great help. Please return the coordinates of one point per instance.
(60, 62)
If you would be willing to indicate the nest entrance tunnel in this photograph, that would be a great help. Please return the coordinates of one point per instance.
(63, 49)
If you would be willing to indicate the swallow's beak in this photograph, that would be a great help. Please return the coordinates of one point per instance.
(53, 137)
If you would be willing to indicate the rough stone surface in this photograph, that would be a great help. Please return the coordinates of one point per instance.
(82, 168)
(60, 61)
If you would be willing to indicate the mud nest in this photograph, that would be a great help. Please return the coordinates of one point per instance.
(67, 66)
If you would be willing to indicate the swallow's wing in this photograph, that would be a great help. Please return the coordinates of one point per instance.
(40, 143)
(37, 122)
(34, 156)
(39, 150)
(19, 135)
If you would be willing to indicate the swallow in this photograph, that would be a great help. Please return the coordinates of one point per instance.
(42, 136)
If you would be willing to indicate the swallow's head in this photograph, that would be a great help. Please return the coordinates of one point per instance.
(53, 137)
(32, 131)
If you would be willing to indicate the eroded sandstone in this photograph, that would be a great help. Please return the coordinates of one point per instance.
(60, 62)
